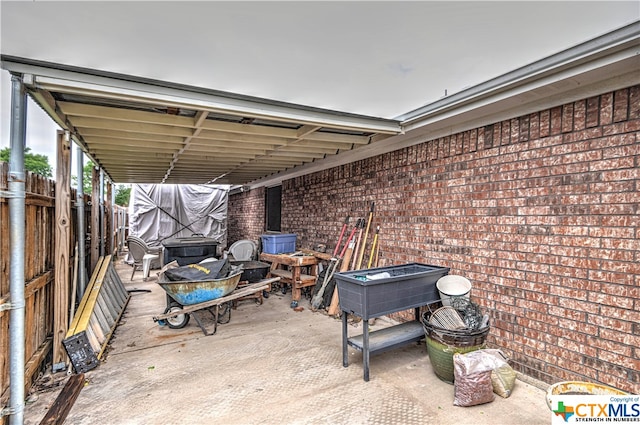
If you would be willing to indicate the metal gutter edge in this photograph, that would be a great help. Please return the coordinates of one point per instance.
(612, 67)
(72, 79)
(627, 34)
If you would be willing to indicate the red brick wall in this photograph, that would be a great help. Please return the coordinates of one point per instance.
(245, 216)
(540, 212)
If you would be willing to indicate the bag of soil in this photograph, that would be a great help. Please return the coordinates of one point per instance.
(474, 369)
(472, 383)
(503, 377)
(198, 272)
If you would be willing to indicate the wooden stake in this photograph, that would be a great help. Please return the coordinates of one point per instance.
(374, 246)
(364, 240)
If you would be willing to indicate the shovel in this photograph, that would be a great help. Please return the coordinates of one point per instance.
(331, 269)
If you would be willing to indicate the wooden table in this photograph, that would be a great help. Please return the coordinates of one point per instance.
(288, 267)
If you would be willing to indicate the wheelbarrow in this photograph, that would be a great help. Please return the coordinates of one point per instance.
(185, 298)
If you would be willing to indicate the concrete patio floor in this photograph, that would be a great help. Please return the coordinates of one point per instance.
(268, 365)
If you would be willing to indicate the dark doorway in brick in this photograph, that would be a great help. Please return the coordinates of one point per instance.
(273, 203)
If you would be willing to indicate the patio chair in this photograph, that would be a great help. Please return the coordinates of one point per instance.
(144, 257)
(243, 250)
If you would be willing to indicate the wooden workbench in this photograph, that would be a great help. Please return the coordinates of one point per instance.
(289, 267)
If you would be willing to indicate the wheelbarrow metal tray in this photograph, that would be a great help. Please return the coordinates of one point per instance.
(408, 286)
(196, 292)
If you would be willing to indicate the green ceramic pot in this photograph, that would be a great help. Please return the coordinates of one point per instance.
(441, 357)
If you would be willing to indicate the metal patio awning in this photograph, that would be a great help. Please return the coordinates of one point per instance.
(148, 131)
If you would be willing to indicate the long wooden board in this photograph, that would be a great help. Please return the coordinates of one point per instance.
(58, 412)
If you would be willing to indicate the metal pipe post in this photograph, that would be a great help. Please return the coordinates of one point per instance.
(17, 244)
(112, 227)
(101, 231)
(81, 225)
(120, 231)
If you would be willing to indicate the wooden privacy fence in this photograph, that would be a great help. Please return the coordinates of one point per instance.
(38, 274)
(40, 225)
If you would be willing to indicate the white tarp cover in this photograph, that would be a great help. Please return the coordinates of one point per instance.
(159, 212)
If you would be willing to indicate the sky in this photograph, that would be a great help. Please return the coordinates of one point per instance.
(382, 59)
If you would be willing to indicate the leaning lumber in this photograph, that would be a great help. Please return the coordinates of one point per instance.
(58, 412)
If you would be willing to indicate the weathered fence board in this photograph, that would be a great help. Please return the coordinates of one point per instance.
(62, 246)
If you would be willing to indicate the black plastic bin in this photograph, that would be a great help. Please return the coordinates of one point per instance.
(409, 286)
(252, 271)
(189, 250)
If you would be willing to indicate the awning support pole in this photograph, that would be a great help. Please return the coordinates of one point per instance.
(17, 247)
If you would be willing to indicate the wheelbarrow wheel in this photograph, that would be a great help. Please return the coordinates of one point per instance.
(178, 321)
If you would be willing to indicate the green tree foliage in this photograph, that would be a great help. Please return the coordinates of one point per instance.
(34, 162)
(86, 177)
(122, 195)
(39, 164)
(122, 191)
